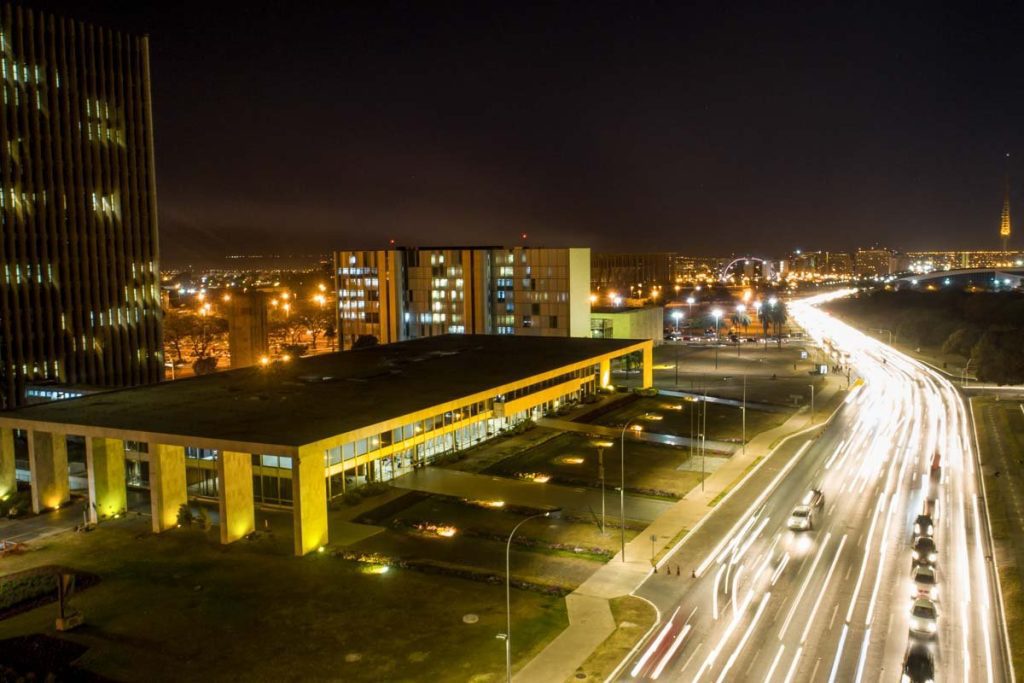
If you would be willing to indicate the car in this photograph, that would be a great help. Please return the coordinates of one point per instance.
(924, 583)
(918, 664)
(923, 526)
(924, 618)
(814, 498)
(802, 518)
(923, 551)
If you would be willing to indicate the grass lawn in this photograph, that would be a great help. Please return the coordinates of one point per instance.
(633, 617)
(573, 459)
(179, 606)
(1001, 437)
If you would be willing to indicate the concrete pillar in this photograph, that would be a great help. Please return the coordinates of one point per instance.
(48, 465)
(8, 481)
(605, 376)
(104, 464)
(648, 367)
(309, 500)
(237, 514)
(167, 487)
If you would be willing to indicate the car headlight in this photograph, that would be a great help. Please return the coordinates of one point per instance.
(934, 592)
(905, 679)
(932, 557)
(931, 529)
(914, 554)
(931, 627)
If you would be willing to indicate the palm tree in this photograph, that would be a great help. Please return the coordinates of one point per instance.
(778, 317)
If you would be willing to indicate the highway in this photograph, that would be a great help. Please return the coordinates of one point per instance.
(833, 603)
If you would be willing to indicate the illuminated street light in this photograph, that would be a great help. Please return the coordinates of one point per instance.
(677, 316)
(622, 486)
(717, 315)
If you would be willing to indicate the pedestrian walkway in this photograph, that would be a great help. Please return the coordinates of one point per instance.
(559, 660)
(579, 502)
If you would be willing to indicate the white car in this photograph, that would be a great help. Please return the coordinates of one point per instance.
(924, 583)
(924, 618)
(801, 519)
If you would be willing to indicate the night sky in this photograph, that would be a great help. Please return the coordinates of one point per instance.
(701, 128)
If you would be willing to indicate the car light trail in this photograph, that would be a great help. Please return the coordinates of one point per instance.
(821, 592)
(803, 587)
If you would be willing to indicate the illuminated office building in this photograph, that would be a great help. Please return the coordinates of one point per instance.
(410, 293)
(79, 300)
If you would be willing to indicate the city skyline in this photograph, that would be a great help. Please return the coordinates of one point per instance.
(666, 130)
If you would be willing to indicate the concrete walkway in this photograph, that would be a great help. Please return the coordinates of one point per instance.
(566, 653)
(722, 447)
(579, 502)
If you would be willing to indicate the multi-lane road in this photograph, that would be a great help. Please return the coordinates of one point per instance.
(833, 603)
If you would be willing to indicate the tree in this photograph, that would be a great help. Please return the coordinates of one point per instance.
(177, 328)
(778, 316)
(998, 355)
(962, 340)
(205, 365)
(740, 318)
(364, 341)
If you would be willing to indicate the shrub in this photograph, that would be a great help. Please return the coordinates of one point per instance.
(184, 515)
(352, 497)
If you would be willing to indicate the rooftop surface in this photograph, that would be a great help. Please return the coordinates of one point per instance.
(314, 398)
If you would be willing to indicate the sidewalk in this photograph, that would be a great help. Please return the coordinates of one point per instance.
(722, 447)
(590, 619)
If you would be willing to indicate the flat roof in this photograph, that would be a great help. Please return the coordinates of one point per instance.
(317, 397)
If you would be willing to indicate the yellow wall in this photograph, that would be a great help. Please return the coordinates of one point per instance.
(104, 461)
(309, 501)
(48, 463)
(8, 482)
(167, 487)
(237, 512)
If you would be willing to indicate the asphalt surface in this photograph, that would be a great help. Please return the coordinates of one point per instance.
(833, 603)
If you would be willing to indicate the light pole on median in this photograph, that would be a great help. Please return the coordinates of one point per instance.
(812, 402)
(601, 445)
(508, 592)
(717, 315)
(622, 486)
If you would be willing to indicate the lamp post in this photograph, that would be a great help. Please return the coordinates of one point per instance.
(677, 316)
(717, 315)
(508, 592)
(690, 301)
(622, 486)
(741, 311)
(890, 334)
(757, 314)
(601, 445)
(812, 402)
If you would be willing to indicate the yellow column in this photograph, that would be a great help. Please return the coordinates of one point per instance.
(167, 487)
(237, 514)
(48, 465)
(104, 464)
(309, 500)
(648, 369)
(605, 377)
(8, 482)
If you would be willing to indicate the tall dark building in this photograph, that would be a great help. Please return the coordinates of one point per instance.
(79, 297)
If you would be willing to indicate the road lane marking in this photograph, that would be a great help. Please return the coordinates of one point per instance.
(824, 589)
(792, 667)
(803, 587)
(839, 654)
(746, 636)
(775, 664)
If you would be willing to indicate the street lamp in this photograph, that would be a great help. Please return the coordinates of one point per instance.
(622, 486)
(690, 301)
(812, 402)
(601, 445)
(677, 316)
(741, 311)
(508, 592)
(717, 315)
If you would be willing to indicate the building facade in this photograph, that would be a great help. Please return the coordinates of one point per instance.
(625, 271)
(321, 425)
(628, 323)
(248, 328)
(873, 262)
(79, 297)
(411, 293)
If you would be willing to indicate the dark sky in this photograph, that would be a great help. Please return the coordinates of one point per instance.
(702, 128)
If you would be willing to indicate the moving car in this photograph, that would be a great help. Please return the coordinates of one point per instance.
(923, 551)
(801, 519)
(918, 664)
(924, 583)
(923, 526)
(924, 618)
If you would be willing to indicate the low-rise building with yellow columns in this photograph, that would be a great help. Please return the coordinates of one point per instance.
(48, 465)
(8, 473)
(298, 433)
(167, 488)
(235, 496)
(104, 466)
